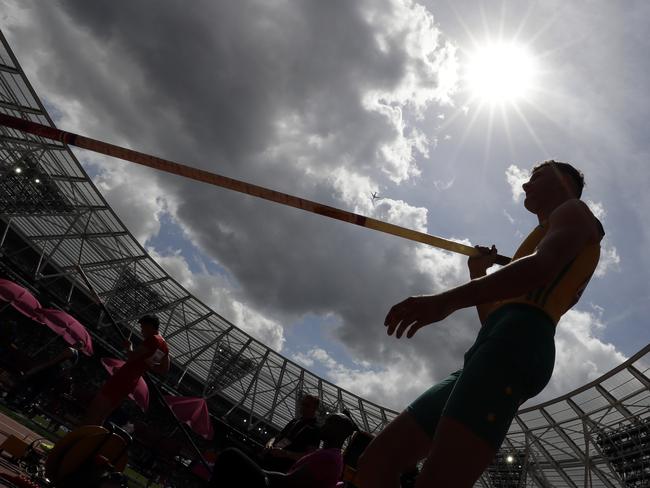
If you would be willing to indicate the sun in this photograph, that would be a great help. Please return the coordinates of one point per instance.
(500, 72)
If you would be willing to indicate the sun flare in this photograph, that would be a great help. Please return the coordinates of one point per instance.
(500, 72)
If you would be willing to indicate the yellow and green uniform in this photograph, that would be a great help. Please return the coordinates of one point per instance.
(513, 356)
(564, 290)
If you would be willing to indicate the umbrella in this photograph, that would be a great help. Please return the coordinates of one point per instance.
(140, 394)
(67, 327)
(194, 412)
(19, 298)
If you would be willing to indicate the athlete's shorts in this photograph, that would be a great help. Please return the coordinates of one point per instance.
(117, 388)
(511, 361)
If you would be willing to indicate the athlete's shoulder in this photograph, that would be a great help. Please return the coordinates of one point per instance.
(576, 214)
(161, 342)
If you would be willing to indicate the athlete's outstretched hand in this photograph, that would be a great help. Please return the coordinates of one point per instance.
(416, 312)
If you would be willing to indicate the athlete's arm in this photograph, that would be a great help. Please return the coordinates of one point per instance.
(571, 228)
(478, 266)
(59, 358)
(143, 351)
(161, 368)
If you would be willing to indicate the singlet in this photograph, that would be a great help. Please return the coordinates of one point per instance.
(132, 370)
(561, 293)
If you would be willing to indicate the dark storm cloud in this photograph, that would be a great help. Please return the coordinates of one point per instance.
(229, 70)
(275, 93)
(286, 94)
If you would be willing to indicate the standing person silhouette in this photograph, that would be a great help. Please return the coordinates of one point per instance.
(458, 424)
(44, 377)
(151, 355)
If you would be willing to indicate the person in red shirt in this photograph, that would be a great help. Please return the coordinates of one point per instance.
(151, 355)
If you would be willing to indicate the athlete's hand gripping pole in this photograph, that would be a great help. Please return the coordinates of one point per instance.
(235, 185)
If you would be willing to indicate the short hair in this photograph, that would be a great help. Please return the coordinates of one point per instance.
(151, 320)
(576, 176)
(344, 421)
(312, 398)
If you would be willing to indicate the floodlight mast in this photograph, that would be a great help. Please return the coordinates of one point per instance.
(236, 185)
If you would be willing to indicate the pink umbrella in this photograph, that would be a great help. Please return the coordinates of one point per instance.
(140, 394)
(19, 298)
(67, 327)
(194, 412)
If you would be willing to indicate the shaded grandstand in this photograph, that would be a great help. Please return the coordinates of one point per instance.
(54, 219)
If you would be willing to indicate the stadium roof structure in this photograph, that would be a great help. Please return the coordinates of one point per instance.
(595, 436)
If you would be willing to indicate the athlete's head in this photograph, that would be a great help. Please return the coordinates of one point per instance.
(149, 325)
(336, 429)
(551, 183)
(309, 406)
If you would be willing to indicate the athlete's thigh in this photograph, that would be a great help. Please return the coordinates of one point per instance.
(397, 448)
(407, 439)
(457, 457)
(488, 393)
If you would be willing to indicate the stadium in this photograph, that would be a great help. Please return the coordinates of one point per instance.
(56, 226)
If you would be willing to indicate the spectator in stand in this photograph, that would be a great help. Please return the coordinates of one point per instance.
(319, 469)
(151, 355)
(299, 437)
(44, 377)
(12, 358)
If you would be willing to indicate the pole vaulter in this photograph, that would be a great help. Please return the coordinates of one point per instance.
(152, 381)
(214, 179)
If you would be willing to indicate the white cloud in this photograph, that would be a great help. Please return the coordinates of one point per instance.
(353, 189)
(597, 208)
(385, 386)
(216, 291)
(609, 259)
(141, 209)
(303, 358)
(516, 177)
(431, 72)
(430, 75)
(444, 268)
(444, 185)
(357, 191)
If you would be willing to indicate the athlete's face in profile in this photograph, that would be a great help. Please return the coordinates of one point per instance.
(308, 407)
(147, 330)
(545, 187)
(336, 428)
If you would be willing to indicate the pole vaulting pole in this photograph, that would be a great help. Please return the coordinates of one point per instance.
(236, 185)
(180, 424)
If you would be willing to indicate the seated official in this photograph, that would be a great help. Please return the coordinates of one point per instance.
(44, 377)
(321, 468)
(299, 437)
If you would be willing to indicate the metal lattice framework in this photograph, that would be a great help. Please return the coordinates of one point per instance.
(596, 436)
(49, 200)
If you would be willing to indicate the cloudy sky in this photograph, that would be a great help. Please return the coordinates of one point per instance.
(334, 101)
